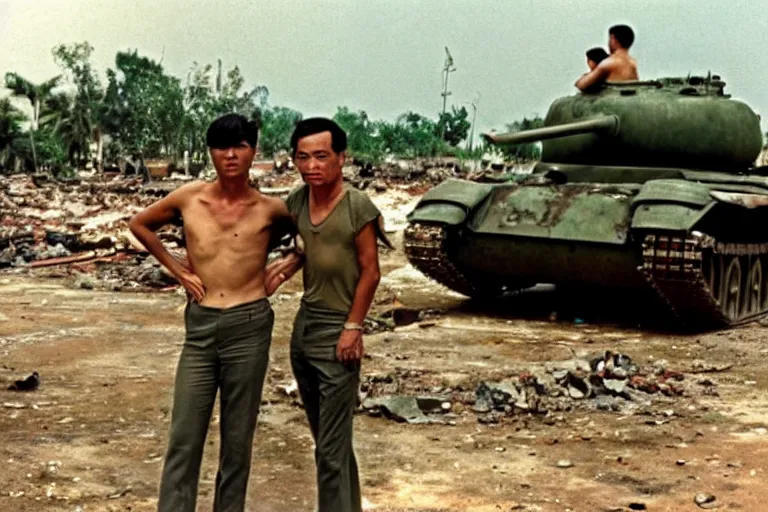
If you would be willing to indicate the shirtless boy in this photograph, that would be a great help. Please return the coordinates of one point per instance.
(228, 318)
(619, 66)
(595, 56)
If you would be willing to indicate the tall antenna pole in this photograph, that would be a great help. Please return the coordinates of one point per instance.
(448, 68)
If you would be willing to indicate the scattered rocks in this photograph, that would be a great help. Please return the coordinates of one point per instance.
(290, 390)
(410, 409)
(704, 500)
(31, 383)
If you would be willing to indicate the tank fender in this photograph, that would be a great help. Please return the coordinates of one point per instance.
(450, 202)
(671, 205)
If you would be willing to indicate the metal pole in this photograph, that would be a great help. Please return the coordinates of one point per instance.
(446, 70)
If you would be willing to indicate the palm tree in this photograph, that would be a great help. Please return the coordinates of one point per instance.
(10, 130)
(70, 121)
(36, 94)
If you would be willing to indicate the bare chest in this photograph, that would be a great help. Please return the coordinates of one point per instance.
(213, 228)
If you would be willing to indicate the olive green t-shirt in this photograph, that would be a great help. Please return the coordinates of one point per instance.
(331, 271)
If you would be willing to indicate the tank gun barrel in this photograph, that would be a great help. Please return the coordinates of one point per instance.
(608, 124)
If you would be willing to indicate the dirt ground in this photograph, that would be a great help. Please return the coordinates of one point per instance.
(92, 437)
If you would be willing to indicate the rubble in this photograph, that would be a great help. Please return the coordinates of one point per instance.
(31, 383)
(79, 226)
(410, 409)
(50, 224)
(608, 382)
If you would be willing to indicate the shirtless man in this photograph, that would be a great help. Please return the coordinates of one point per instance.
(228, 318)
(619, 66)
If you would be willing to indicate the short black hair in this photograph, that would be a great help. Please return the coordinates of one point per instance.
(315, 125)
(596, 54)
(623, 34)
(230, 130)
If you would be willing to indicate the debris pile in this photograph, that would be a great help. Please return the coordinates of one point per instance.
(81, 224)
(422, 173)
(609, 381)
(78, 228)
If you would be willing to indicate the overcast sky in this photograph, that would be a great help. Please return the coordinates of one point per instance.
(386, 57)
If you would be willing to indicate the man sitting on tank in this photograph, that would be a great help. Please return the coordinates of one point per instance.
(619, 66)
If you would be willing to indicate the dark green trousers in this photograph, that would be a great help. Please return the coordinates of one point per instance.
(329, 392)
(227, 350)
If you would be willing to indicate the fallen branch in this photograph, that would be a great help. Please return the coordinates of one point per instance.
(711, 369)
(75, 258)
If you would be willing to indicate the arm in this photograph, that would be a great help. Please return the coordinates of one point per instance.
(144, 226)
(281, 270)
(597, 75)
(350, 346)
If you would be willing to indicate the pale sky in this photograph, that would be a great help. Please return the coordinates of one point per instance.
(386, 57)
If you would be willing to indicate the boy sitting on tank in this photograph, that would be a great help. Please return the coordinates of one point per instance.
(595, 56)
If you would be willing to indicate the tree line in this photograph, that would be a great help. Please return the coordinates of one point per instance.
(144, 112)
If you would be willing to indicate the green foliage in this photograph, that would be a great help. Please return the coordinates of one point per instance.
(363, 139)
(10, 134)
(146, 111)
(415, 135)
(524, 152)
(277, 124)
(145, 106)
(412, 135)
(206, 97)
(84, 119)
(454, 125)
(36, 94)
(49, 150)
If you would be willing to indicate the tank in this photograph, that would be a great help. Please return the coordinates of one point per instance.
(643, 189)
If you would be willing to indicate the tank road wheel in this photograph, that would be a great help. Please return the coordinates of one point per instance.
(755, 289)
(713, 272)
(730, 293)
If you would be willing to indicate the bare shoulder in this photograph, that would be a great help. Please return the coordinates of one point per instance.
(609, 63)
(189, 190)
(275, 205)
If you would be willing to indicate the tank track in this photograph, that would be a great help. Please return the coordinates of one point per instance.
(674, 266)
(425, 248)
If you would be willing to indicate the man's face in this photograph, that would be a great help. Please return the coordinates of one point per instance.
(318, 163)
(233, 161)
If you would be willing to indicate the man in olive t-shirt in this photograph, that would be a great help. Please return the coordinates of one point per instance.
(339, 228)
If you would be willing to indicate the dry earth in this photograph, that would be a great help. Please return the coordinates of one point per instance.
(92, 437)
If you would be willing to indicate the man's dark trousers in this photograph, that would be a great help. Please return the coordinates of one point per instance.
(225, 349)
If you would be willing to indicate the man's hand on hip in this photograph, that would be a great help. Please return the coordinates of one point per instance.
(192, 283)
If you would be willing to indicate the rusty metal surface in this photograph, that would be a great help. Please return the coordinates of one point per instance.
(745, 200)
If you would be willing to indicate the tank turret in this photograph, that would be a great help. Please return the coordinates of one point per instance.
(671, 122)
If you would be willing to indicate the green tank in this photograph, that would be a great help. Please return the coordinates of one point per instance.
(641, 186)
